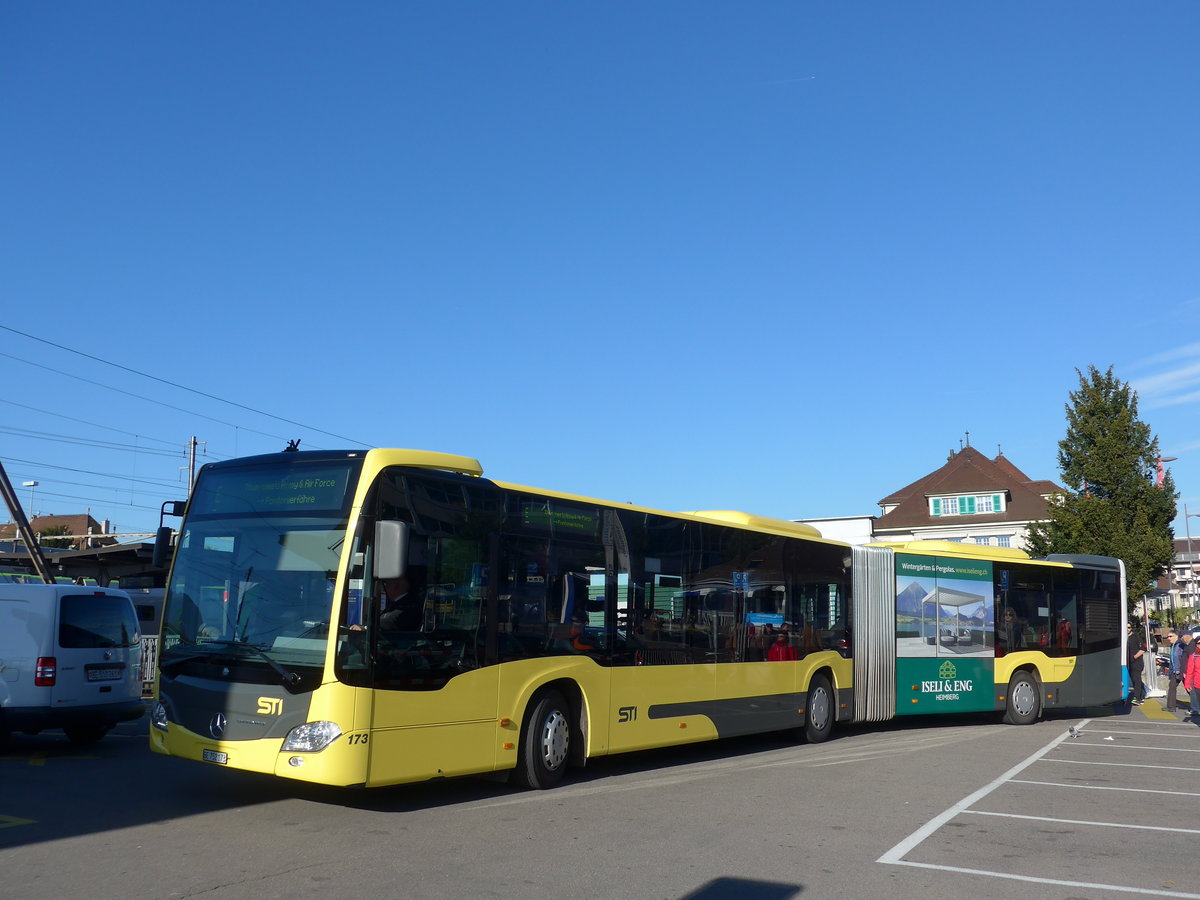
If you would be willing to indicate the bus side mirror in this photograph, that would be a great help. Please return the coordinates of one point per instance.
(391, 549)
(162, 537)
(162, 545)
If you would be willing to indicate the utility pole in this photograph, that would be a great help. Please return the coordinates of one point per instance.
(192, 444)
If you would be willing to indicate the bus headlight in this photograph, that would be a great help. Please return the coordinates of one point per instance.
(312, 737)
(158, 716)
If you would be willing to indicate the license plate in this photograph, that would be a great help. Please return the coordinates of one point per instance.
(111, 674)
(216, 756)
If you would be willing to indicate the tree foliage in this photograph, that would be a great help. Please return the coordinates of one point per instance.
(49, 536)
(1114, 506)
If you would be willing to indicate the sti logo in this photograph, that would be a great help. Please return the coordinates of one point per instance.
(270, 706)
(627, 714)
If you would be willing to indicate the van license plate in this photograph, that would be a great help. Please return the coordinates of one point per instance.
(110, 674)
(216, 756)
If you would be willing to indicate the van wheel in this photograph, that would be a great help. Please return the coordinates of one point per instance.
(545, 742)
(818, 711)
(1024, 702)
(85, 735)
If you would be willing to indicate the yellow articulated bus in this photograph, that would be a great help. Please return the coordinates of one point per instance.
(391, 616)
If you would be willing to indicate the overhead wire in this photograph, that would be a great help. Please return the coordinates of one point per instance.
(48, 412)
(183, 387)
(137, 396)
(30, 462)
(124, 481)
(98, 487)
(96, 500)
(86, 442)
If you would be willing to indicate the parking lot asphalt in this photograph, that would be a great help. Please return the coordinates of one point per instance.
(1107, 807)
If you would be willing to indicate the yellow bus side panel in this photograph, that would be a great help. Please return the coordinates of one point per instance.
(1050, 669)
(419, 753)
(521, 679)
(658, 706)
(416, 735)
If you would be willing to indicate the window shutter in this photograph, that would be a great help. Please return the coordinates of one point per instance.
(997, 504)
(937, 506)
(970, 506)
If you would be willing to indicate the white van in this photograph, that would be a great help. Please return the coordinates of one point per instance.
(70, 658)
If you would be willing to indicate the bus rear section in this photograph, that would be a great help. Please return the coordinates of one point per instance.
(954, 628)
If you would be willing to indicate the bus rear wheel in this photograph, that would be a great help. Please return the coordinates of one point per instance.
(545, 742)
(1024, 702)
(818, 711)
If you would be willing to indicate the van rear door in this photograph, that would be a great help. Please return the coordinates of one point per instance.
(98, 649)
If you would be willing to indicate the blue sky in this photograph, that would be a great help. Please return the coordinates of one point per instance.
(777, 257)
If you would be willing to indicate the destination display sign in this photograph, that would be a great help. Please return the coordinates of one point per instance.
(553, 517)
(274, 489)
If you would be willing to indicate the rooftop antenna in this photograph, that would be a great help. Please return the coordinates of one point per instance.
(293, 446)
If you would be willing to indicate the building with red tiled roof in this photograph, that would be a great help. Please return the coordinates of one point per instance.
(971, 498)
(76, 527)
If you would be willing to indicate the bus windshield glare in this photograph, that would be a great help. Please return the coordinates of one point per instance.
(257, 560)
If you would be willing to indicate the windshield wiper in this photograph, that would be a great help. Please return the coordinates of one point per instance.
(290, 680)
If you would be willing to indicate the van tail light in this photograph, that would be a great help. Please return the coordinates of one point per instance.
(46, 673)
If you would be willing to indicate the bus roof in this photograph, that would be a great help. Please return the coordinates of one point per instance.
(981, 551)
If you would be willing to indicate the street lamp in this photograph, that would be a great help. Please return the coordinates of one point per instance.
(1191, 560)
(31, 485)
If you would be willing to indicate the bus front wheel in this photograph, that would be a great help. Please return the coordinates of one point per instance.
(818, 711)
(545, 742)
(1024, 701)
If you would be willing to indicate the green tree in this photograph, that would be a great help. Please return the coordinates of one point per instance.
(49, 536)
(1114, 506)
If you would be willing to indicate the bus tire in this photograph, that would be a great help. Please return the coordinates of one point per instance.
(1024, 702)
(818, 710)
(545, 745)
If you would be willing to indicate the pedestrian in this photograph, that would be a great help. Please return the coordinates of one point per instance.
(1191, 683)
(1174, 672)
(1188, 640)
(1135, 652)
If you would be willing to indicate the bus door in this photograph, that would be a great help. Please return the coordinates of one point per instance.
(434, 698)
(1100, 636)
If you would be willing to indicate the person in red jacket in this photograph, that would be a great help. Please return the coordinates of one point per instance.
(1191, 683)
(782, 649)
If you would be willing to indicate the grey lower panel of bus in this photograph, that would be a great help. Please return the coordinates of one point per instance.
(742, 715)
(874, 616)
(196, 704)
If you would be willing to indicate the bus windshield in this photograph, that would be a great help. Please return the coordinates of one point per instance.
(250, 571)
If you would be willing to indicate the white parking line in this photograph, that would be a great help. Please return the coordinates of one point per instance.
(1081, 762)
(895, 856)
(1097, 787)
(1122, 889)
(1139, 747)
(1173, 829)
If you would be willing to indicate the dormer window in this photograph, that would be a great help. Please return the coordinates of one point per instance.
(966, 505)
